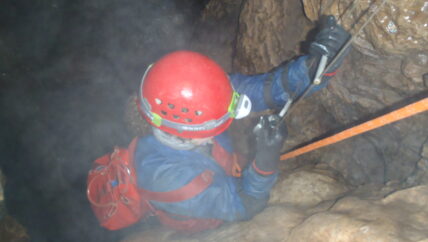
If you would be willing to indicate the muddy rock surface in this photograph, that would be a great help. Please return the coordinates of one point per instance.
(325, 210)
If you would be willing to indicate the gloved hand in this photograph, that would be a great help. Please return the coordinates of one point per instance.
(329, 40)
(269, 140)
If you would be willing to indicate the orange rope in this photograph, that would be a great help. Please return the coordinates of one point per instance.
(407, 111)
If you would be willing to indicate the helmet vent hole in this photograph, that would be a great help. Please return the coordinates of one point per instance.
(171, 106)
(164, 112)
(175, 116)
(184, 110)
(188, 120)
(198, 113)
(158, 101)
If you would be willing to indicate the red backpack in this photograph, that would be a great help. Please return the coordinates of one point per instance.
(117, 201)
(112, 189)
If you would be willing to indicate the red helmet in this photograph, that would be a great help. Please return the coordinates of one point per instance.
(189, 95)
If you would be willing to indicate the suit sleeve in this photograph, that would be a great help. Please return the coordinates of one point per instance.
(273, 89)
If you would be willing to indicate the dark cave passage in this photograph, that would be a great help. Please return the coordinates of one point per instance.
(67, 73)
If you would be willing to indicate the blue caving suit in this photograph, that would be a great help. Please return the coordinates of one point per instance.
(161, 168)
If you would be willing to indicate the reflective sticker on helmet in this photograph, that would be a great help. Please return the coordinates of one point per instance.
(232, 107)
(156, 120)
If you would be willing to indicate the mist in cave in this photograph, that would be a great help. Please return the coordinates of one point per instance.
(69, 68)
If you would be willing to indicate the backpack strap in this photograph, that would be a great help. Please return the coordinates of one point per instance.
(131, 149)
(232, 163)
(193, 188)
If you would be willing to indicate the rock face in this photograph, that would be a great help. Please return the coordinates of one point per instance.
(400, 216)
(10, 229)
(385, 71)
(366, 88)
(216, 30)
(399, 27)
(269, 33)
(328, 215)
(305, 188)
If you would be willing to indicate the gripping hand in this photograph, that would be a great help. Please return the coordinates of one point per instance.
(270, 137)
(329, 40)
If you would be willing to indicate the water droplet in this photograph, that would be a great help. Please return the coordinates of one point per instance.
(391, 27)
(422, 59)
(424, 8)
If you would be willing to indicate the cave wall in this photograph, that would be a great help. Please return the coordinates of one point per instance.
(384, 71)
(400, 26)
(269, 33)
(315, 204)
(60, 61)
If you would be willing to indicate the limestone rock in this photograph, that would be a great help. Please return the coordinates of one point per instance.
(216, 31)
(269, 33)
(366, 88)
(400, 26)
(306, 187)
(400, 216)
(425, 150)
(274, 224)
(415, 66)
(420, 176)
(11, 230)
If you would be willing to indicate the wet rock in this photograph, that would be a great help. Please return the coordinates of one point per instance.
(374, 213)
(420, 175)
(366, 88)
(358, 161)
(415, 66)
(424, 152)
(274, 224)
(425, 79)
(308, 187)
(11, 230)
(217, 26)
(401, 216)
(399, 27)
(269, 33)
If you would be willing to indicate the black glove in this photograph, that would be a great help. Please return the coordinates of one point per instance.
(270, 137)
(329, 40)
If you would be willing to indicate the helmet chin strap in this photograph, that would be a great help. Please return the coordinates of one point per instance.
(172, 141)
